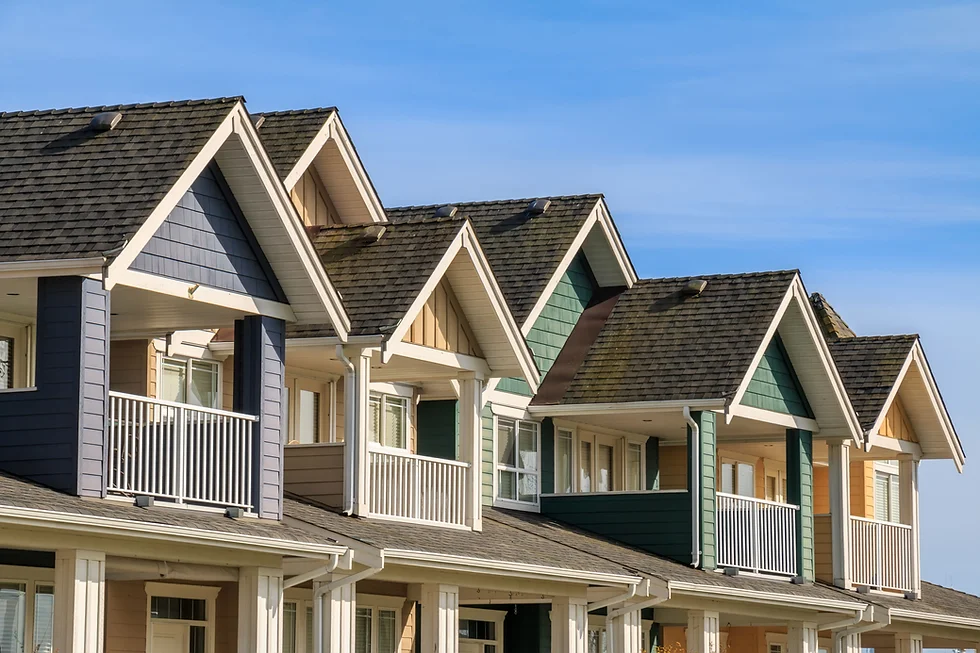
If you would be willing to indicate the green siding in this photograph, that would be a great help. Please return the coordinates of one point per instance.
(775, 386)
(547, 456)
(552, 328)
(438, 429)
(656, 522)
(799, 489)
(653, 463)
(706, 426)
(486, 459)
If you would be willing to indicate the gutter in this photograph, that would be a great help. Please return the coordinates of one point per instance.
(625, 407)
(879, 619)
(738, 594)
(315, 573)
(51, 267)
(695, 475)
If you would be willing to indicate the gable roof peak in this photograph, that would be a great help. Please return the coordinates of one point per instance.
(832, 324)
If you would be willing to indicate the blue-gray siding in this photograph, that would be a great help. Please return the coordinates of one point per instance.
(260, 371)
(207, 240)
(55, 434)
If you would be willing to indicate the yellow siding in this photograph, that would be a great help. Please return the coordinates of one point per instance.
(863, 489)
(408, 627)
(674, 639)
(129, 367)
(673, 468)
(228, 383)
(442, 325)
(896, 423)
(747, 639)
(311, 200)
(821, 490)
(823, 546)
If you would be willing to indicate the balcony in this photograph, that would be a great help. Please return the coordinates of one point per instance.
(179, 453)
(881, 554)
(756, 535)
(417, 488)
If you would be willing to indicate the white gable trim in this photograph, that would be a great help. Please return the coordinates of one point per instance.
(333, 129)
(599, 216)
(917, 358)
(796, 294)
(237, 123)
(466, 241)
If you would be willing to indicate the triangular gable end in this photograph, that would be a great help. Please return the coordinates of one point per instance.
(442, 324)
(775, 385)
(206, 240)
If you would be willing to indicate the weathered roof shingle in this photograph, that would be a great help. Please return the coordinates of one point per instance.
(287, 134)
(869, 367)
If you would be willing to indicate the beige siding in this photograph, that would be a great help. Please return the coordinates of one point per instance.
(339, 418)
(823, 548)
(228, 383)
(125, 617)
(226, 618)
(316, 472)
(408, 628)
(747, 639)
(863, 489)
(311, 200)
(129, 367)
(442, 325)
(896, 423)
(673, 468)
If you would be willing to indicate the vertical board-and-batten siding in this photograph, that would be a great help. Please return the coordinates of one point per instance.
(55, 434)
(896, 423)
(312, 201)
(260, 374)
(206, 240)
(441, 324)
(775, 386)
(552, 328)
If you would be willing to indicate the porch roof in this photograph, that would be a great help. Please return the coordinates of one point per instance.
(937, 602)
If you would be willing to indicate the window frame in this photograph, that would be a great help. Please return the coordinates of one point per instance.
(384, 391)
(31, 578)
(207, 593)
(620, 443)
(728, 460)
(480, 614)
(892, 470)
(188, 362)
(516, 504)
(22, 353)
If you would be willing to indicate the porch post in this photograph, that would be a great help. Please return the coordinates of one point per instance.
(802, 638)
(79, 601)
(357, 397)
(334, 613)
(440, 618)
(702, 632)
(839, 454)
(847, 643)
(624, 631)
(471, 444)
(259, 610)
(569, 625)
(908, 475)
(908, 643)
(799, 488)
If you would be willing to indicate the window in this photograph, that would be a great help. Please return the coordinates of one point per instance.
(634, 466)
(13, 607)
(585, 466)
(594, 462)
(27, 612)
(308, 416)
(181, 616)
(376, 630)
(517, 460)
(43, 619)
(887, 493)
(481, 631)
(190, 381)
(737, 478)
(6, 363)
(388, 424)
(563, 461)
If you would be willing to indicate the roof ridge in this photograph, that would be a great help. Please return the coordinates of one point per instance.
(892, 336)
(297, 112)
(725, 275)
(123, 107)
(416, 207)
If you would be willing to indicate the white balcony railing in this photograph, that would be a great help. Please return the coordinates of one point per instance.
(756, 535)
(179, 452)
(418, 488)
(881, 554)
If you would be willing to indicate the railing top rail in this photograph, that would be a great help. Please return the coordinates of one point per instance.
(765, 502)
(177, 404)
(880, 521)
(401, 453)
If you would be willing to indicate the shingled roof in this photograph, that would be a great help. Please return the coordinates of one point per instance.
(660, 345)
(524, 250)
(379, 278)
(869, 367)
(287, 134)
(936, 601)
(831, 322)
(70, 192)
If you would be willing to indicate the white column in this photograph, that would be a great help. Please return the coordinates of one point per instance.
(908, 643)
(908, 478)
(79, 601)
(624, 631)
(802, 638)
(702, 632)
(440, 618)
(569, 625)
(471, 445)
(334, 612)
(847, 643)
(357, 395)
(839, 454)
(259, 610)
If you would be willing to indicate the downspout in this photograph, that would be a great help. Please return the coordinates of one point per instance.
(350, 439)
(875, 623)
(316, 573)
(622, 598)
(695, 487)
(323, 590)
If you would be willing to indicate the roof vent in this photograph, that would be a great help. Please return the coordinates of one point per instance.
(105, 121)
(258, 121)
(373, 233)
(446, 211)
(537, 207)
(694, 287)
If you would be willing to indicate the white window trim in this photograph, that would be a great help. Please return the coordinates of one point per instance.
(514, 503)
(736, 461)
(496, 616)
(172, 590)
(304, 602)
(620, 442)
(375, 603)
(30, 577)
(219, 394)
(23, 354)
(889, 468)
(409, 405)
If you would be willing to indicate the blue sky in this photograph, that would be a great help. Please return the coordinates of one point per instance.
(837, 137)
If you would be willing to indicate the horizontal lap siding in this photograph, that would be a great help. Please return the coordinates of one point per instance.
(823, 546)
(486, 458)
(775, 386)
(656, 522)
(315, 472)
(129, 367)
